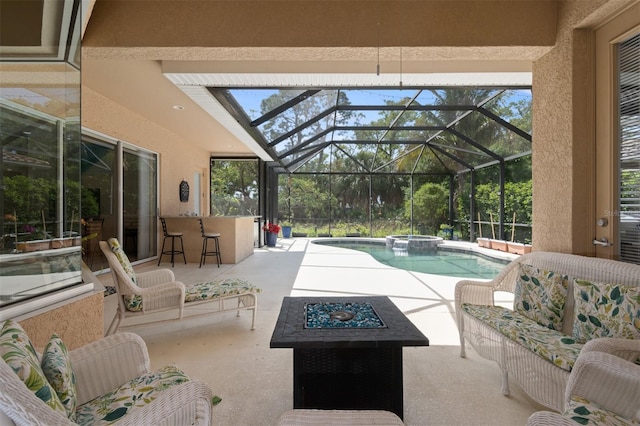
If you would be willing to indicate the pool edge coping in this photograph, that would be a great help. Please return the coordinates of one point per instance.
(447, 245)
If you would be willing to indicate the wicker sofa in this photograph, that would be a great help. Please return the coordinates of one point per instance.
(107, 381)
(561, 301)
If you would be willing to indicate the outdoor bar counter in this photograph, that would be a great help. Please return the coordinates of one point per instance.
(236, 236)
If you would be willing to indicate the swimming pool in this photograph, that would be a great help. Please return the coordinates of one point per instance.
(443, 261)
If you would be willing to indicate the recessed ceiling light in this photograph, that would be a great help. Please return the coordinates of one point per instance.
(178, 107)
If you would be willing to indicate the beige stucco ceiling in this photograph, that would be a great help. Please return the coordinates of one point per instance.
(140, 87)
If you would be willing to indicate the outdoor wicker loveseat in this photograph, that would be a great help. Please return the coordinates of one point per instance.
(561, 301)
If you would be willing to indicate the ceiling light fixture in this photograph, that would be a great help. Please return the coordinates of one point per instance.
(378, 64)
(401, 67)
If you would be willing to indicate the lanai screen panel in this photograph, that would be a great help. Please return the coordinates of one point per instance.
(384, 130)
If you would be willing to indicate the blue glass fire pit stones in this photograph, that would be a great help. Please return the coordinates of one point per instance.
(341, 315)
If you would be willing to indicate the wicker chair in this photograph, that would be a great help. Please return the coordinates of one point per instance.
(150, 292)
(99, 368)
(603, 376)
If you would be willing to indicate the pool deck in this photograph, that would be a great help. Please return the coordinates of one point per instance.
(428, 300)
(440, 388)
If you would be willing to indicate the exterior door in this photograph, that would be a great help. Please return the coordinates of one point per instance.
(617, 228)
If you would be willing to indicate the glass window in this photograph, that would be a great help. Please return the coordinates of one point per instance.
(139, 203)
(40, 172)
(105, 209)
(629, 155)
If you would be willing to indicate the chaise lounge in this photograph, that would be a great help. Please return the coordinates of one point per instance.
(144, 293)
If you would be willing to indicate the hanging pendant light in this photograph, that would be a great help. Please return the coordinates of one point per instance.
(401, 67)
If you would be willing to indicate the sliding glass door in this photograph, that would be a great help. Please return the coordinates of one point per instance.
(139, 197)
(120, 198)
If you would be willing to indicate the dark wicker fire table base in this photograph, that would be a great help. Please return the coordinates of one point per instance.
(346, 367)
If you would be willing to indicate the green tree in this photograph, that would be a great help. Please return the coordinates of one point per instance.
(430, 206)
(234, 187)
(310, 117)
(304, 198)
(518, 200)
(30, 198)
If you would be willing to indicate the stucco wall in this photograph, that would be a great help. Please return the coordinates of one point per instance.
(563, 138)
(77, 323)
(178, 158)
(552, 151)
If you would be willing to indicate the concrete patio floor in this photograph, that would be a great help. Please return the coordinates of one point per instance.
(256, 383)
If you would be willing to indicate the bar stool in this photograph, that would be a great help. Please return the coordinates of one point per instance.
(173, 236)
(206, 236)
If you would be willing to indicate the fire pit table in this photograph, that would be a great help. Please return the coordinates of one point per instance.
(347, 351)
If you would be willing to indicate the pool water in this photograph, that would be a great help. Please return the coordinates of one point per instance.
(441, 262)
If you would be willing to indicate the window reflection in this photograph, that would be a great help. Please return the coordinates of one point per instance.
(106, 210)
(98, 213)
(139, 203)
(40, 249)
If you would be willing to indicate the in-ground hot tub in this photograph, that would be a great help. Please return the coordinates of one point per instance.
(413, 243)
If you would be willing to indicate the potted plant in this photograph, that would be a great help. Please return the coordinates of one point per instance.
(447, 231)
(518, 248)
(33, 239)
(484, 242)
(271, 230)
(499, 245)
(286, 231)
(69, 238)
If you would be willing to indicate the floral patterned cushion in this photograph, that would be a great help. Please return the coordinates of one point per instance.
(132, 302)
(111, 407)
(122, 258)
(552, 345)
(203, 291)
(605, 310)
(56, 366)
(541, 296)
(220, 288)
(17, 351)
(584, 412)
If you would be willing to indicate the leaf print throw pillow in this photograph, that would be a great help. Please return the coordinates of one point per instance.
(17, 351)
(540, 295)
(56, 366)
(605, 310)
